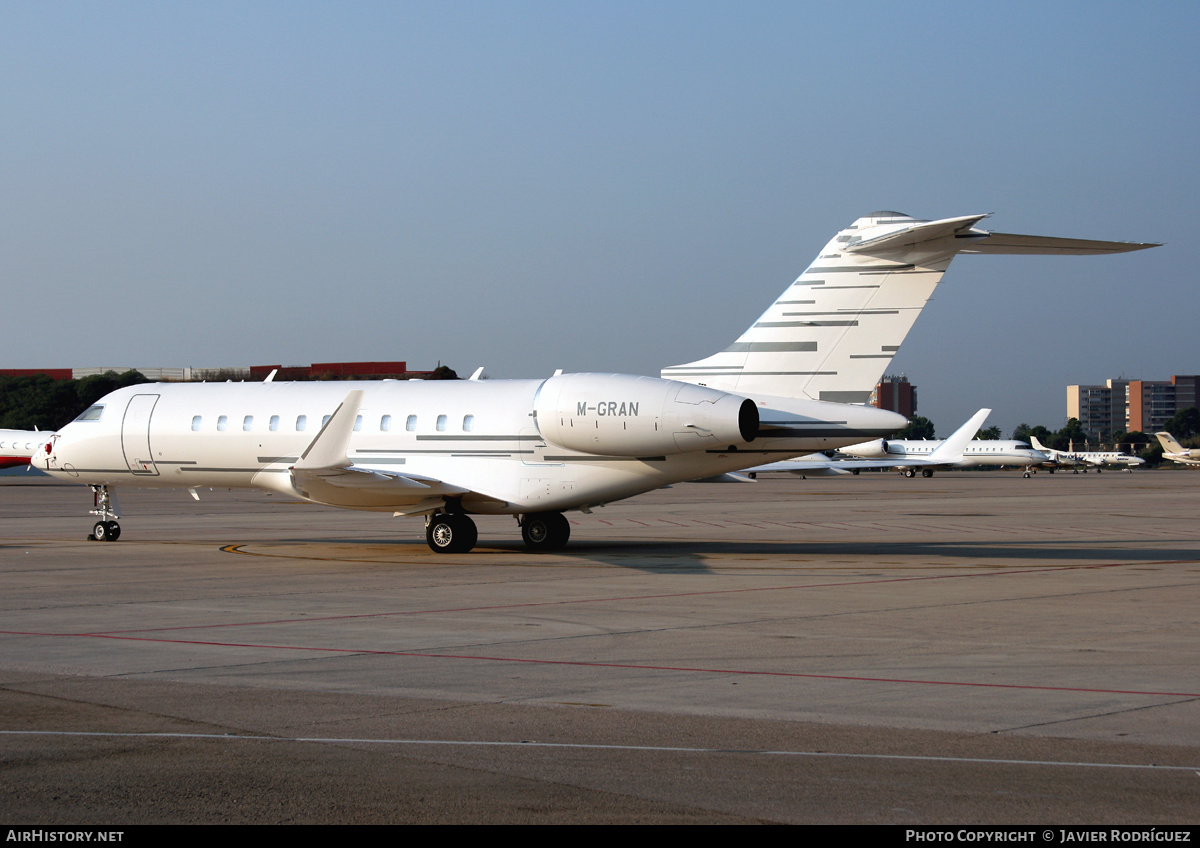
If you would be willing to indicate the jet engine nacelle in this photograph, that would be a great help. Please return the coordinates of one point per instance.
(877, 449)
(624, 415)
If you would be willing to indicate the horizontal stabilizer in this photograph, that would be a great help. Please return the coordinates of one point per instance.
(915, 234)
(1051, 246)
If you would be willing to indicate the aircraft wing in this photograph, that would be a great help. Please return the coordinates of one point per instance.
(325, 474)
(824, 467)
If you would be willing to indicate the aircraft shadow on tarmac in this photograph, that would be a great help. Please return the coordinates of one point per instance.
(696, 557)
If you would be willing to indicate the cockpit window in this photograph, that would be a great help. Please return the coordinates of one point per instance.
(92, 413)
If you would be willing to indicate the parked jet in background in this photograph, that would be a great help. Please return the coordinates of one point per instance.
(975, 454)
(534, 448)
(1087, 459)
(1176, 452)
(947, 453)
(17, 446)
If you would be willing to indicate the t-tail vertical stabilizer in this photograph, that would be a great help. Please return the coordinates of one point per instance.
(833, 332)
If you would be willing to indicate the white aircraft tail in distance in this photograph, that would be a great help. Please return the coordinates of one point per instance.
(1176, 452)
(1086, 460)
(537, 448)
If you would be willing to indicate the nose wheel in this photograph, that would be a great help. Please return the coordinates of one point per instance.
(105, 531)
(104, 504)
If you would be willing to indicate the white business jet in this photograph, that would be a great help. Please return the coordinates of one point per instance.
(925, 456)
(909, 455)
(1087, 459)
(1176, 452)
(536, 448)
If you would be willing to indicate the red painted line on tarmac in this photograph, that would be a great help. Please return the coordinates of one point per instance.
(625, 666)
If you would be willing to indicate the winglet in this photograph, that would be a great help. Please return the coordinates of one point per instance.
(1038, 446)
(952, 449)
(328, 449)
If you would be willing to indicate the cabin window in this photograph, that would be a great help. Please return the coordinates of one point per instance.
(385, 423)
(222, 420)
(92, 413)
(468, 423)
(248, 423)
(357, 423)
(274, 423)
(325, 419)
(197, 420)
(301, 422)
(441, 422)
(411, 423)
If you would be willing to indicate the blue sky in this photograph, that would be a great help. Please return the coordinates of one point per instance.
(590, 186)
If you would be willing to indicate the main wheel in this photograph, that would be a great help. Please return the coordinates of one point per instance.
(545, 531)
(908, 472)
(451, 534)
(114, 531)
(926, 472)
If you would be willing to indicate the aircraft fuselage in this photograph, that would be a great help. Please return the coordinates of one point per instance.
(498, 446)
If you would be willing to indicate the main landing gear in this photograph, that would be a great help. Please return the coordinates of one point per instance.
(545, 531)
(450, 533)
(455, 532)
(104, 504)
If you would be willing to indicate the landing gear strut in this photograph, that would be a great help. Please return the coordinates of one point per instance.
(545, 531)
(450, 533)
(104, 504)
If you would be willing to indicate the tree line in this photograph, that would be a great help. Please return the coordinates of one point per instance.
(43, 403)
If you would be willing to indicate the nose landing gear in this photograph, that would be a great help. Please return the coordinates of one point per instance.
(104, 504)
